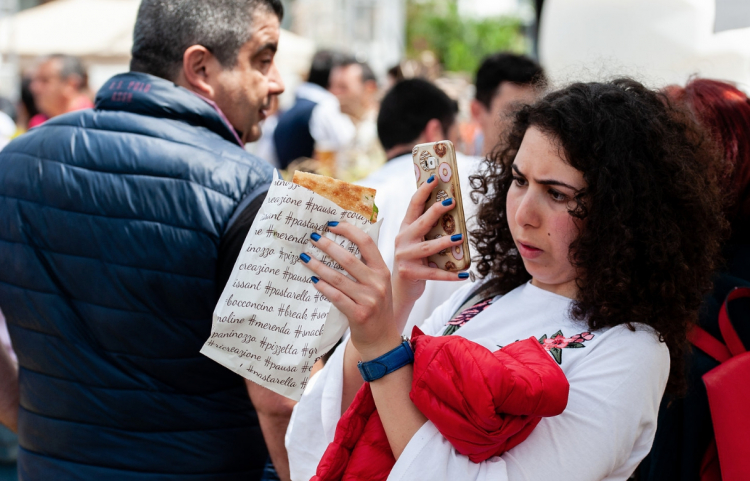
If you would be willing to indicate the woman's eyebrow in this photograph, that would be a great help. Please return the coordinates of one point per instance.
(545, 181)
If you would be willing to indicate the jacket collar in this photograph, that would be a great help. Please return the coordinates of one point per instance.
(146, 94)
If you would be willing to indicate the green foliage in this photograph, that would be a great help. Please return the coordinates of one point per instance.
(460, 43)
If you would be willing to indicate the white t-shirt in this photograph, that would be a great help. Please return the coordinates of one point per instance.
(617, 379)
(395, 187)
(329, 127)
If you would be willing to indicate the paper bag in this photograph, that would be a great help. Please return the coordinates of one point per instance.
(270, 324)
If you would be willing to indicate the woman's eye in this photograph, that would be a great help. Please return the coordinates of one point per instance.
(519, 181)
(557, 196)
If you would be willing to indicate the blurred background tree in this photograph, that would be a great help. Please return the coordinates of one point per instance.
(459, 42)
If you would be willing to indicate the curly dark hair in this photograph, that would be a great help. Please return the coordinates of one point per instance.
(652, 207)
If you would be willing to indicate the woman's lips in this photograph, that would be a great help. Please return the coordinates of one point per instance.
(528, 251)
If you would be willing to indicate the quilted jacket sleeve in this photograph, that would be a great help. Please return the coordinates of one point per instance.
(485, 402)
(603, 433)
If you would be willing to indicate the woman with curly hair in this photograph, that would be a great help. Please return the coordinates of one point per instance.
(597, 234)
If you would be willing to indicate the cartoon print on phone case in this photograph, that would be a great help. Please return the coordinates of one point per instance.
(438, 159)
(449, 225)
(445, 172)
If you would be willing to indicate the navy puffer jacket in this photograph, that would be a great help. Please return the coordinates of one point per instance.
(110, 223)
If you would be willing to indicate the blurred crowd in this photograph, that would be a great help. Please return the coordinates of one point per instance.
(135, 202)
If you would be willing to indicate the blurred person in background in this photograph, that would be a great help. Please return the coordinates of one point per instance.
(8, 128)
(59, 85)
(414, 111)
(356, 87)
(504, 82)
(685, 430)
(315, 121)
(25, 107)
(121, 227)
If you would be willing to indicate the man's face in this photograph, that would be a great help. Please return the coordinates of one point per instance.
(244, 92)
(347, 85)
(507, 99)
(49, 90)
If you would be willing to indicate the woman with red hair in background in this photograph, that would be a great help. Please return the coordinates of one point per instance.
(685, 430)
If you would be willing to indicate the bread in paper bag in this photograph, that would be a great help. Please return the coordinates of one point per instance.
(271, 324)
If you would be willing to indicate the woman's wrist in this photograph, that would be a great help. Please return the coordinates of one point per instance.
(376, 349)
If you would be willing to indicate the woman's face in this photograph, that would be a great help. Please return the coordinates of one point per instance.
(538, 201)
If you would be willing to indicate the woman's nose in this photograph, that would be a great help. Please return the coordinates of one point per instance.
(527, 214)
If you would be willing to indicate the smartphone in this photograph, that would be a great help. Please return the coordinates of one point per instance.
(439, 159)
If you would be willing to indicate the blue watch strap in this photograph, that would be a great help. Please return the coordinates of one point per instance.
(387, 363)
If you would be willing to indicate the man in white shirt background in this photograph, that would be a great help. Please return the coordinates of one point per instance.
(413, 112)
(315, 121)
(503, 82)
(355, 85)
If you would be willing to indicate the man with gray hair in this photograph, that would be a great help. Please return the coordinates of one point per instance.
(59, 85)
(120, 227)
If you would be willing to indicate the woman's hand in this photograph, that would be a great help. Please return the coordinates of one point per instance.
(365, 301)
(410, 269)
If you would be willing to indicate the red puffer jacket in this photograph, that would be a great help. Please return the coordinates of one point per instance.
(483, 402)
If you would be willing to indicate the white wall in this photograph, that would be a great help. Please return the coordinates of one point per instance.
(657, 41)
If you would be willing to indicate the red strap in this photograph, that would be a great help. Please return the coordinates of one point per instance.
(712, 346)
(731, 339)
(708, 344)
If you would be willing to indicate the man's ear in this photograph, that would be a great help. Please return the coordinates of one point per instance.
(433, 131)
(478, 111)
(199, 66)
(73, 86)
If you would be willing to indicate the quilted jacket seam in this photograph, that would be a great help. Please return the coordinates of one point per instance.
(249, 165)
(92, 304)
(46, 206)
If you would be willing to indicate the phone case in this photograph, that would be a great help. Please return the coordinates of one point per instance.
(439, 158)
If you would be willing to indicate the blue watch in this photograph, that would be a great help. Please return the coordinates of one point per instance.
(387, 363)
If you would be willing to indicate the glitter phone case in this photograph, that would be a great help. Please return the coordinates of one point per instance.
(439, 158)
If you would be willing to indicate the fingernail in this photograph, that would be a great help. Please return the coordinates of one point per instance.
(305, 258)
(463, 275)
(315, 236)
(432, 177)
(454, 238)
(315, 279)
(447, 201)
(333, 223)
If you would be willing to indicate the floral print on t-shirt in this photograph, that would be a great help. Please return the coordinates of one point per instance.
(466, 315)
(557, 342)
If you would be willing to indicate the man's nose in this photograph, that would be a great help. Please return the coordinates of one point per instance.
(275, 83)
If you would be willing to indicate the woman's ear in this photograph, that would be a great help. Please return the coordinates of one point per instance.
(198, 69)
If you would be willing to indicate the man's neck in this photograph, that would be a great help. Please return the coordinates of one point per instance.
(399, 150)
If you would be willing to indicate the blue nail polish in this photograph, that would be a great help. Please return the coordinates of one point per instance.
(333, 223)
(315, 279)
(463, 275)
(432, 177)
(456, 237)
(315, 236)
(447, 201)
(305, 258)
